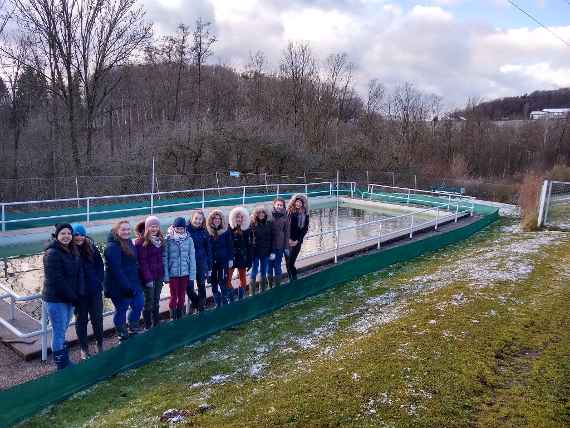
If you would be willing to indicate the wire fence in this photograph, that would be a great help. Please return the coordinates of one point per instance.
(555, 204)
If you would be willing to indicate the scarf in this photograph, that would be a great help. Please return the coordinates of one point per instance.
(301, 218)
(156, 241)
(278, 213)
(178, 237)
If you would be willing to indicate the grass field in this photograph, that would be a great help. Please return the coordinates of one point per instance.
(477, 334)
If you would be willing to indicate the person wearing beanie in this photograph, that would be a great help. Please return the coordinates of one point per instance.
(203, 249)
(179, 260)
(150, 248)
(63, 277)
(90, 304)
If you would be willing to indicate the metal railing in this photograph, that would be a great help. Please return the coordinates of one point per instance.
(244, 194)
(419, 220)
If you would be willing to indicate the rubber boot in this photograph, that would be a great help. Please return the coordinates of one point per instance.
(122, 333)
(218, 299)
(263, 283)
(241, 293)
(134, 328)
(147, 317)
(271, 281)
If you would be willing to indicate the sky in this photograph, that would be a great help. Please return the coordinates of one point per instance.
(454, 48)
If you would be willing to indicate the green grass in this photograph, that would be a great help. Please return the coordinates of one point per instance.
(474, 335)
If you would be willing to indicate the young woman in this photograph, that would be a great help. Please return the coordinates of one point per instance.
(90, 304)
(261, 243)
(241, 240)
(63, 278)
(298, 214)
(179, 267)
(222, 256)
(197, 229)
(122, 282)
(279, 241)
(150, 247)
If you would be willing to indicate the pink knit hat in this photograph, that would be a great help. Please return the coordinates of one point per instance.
(150, 221)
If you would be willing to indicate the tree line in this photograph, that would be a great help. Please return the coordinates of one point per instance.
(87, 89)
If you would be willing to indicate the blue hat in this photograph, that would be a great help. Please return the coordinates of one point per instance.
(79, 229)
(179, 222)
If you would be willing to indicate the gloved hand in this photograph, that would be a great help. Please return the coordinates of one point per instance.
(149, 284)
(231, 264)
(272, 256)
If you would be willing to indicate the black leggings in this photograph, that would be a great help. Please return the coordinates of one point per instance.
(89, 308)
(293, 254)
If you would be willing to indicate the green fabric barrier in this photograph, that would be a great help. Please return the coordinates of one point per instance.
(77, 215)
(25, 400)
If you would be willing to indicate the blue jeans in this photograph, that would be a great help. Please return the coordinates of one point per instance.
(122, 305)
(275, 265)
(59, 316)
(259, 264)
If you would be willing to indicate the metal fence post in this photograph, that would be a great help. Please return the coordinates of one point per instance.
(456, 212)
(306, 189)
(88, 202)
(379, 235)
(412, 227)
(277, 190)
(152, 189)
(243, 196)
(542, 206)
(472, 207)
(409, 193)
(12, 307)
(44, 332)
(203, 199)
(436, 217)
(3, 217)
(336, 233)
(351, 190)
(448, 202)
(330, 188)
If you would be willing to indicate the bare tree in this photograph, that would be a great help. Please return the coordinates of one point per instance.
(202, 49)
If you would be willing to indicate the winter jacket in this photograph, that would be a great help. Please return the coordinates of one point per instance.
(63, 274)
(220, 240)
(151, 265)
(241, 238)
(122, 280)
(297, 233)
(93, 271)
(202, 247)
(279, 230)
(179, 258)
(261, 231)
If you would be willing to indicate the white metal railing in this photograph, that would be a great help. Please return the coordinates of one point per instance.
(418, 221)
(240, 193)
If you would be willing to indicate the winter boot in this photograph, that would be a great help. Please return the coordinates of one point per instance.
(134, 328)
(241, 293)
(271, 281)
(122, 333)
(84, 354)
(99, 348)
(252, 287)
(60, 359)
(155, 316)
(277, 281)
(181, 312)
(263, 283)
(218, 299)
(147, 317)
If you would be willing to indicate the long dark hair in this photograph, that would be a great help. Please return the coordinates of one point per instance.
(86, 250)
(124, 242)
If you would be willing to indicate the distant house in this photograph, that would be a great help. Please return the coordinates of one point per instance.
(550, 113)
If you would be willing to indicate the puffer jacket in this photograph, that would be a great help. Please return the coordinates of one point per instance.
(220, 239)
(179, 258)
(241, 238)
(296, 232)
(122, 280)
(279, 230)
(261, 231)
(202, 247)
(151, 265)
(63, 274)
(93, 271)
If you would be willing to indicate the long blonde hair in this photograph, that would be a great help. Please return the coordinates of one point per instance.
(124, 242)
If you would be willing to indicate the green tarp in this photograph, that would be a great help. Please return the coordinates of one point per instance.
(23, 401)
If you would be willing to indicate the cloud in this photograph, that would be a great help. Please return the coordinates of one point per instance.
(427, 44)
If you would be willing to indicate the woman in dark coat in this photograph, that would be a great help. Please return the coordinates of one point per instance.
(63, 277)
(222, 256)
(90, 306)
(203, 251)
(241, 239)
(122, 280)
(298, 213)
(261, 242)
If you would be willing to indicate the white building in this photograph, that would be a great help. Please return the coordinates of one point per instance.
(551, 113)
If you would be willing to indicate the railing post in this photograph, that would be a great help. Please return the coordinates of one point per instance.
(88, 202)
(336, 233)
(44, 332)
(472, 207)
(3, 217)
(436, 217)
(330, 188)
(243, 196)
(306, 189)
(456, 212)
(409, 193)
(203, 199)
(277, 190)
(12, 307)
(448, 202)
(379, 235)
(351, 190)
(412, 227)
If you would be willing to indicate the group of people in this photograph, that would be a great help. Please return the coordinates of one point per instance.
(132, 272)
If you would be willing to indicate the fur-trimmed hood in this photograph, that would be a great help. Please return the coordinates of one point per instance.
(245, 215)
(257, 210)
(296, 196)
(223, 227)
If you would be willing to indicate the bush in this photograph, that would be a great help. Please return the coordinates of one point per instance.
(559, 173)
(528, 200)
